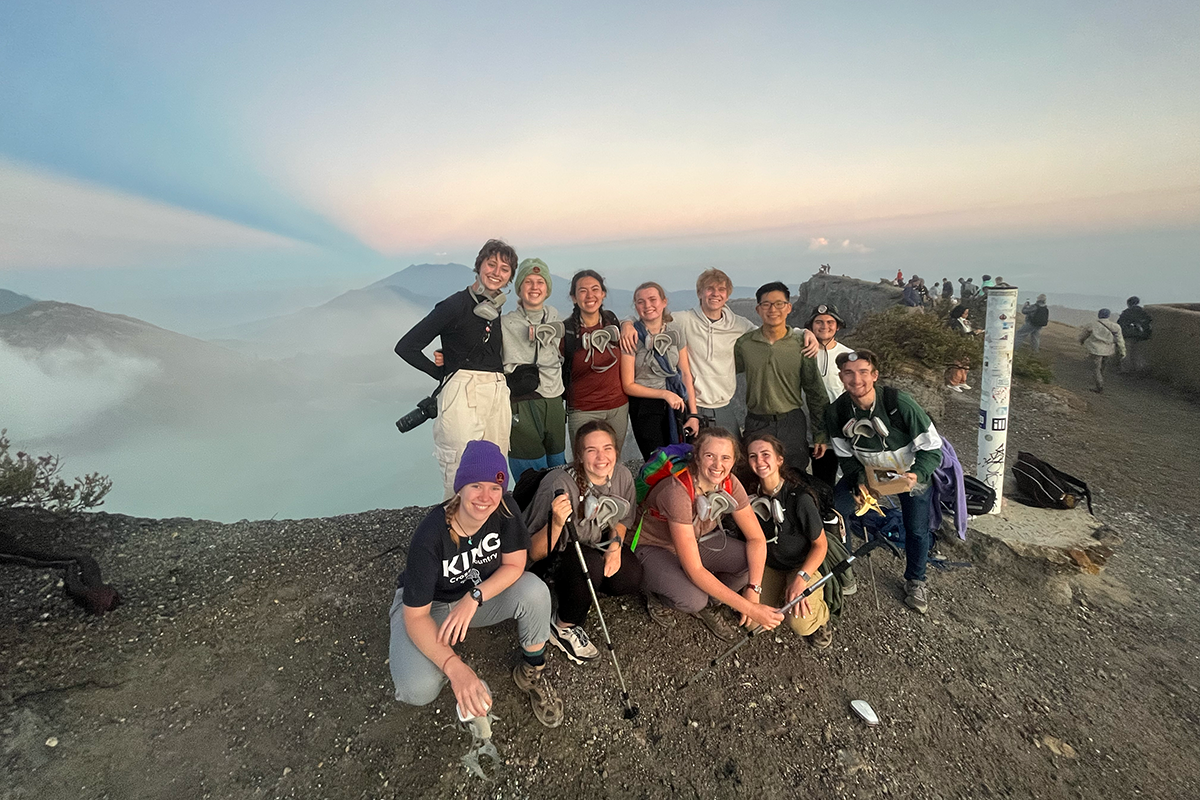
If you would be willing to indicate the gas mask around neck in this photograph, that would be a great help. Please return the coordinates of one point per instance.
(605, 510)
(770, 511)
(546, 334)
(714, 505)
(873, 426)
(488, 307)
(662, 342)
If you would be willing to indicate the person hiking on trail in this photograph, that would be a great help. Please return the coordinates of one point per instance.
(1037, 316)
(600, 498)
(658, 377)
(474, 400)
(688, 562)
(868, 432)
(1101, 338)
(1136, 327)
(465, 570)
(533, 361)
(780, 379)
(787, 507)
(711, 331)
(825, 323)
(592, 358)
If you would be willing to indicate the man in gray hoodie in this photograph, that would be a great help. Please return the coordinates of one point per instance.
(1101, 338)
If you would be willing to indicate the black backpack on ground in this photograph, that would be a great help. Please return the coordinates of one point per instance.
(981, 498)
(1044, 486)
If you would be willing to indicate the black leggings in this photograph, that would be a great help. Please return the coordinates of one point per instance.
(574, 599)
(650, 420)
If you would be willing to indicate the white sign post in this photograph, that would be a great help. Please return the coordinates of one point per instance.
(998, 338)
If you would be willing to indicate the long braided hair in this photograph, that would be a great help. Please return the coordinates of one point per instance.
(585, 430)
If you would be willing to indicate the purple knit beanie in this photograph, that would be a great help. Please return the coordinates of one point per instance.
(482, 462)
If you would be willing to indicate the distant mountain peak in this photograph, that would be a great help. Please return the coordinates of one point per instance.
(11, 301)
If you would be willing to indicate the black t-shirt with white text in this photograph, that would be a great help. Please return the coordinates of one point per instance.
(439, 571)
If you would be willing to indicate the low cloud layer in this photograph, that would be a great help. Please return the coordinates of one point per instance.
(820, 244)
(63, 390)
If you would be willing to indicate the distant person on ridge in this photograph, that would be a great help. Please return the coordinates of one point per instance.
(899, 278)
(777, 371)
(988, 282)
(474, 398)
(947, 290)
(1037, 316)
(1101, 338)
(967, 289)
(712, 330)
(1136, 327)
(533, 334)
(867, 432)
(911, 299)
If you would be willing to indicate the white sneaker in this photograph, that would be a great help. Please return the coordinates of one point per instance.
(964, 387)
(574, 642)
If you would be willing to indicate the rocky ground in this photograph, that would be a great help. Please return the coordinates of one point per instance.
(249, 659)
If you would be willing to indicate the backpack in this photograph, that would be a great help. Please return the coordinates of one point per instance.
(663, 463)
(1045, 486)
(981, 498)
(527, 485)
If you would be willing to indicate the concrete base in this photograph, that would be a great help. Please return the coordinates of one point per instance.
(1060, 536)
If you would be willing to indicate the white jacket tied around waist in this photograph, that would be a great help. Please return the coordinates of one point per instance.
(710, 353)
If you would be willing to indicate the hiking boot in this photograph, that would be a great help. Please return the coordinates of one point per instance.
(716, 623)
(916, 596)
(547, 705)
(822, 637)
(850, 588)
(574, 642)
(659, 612)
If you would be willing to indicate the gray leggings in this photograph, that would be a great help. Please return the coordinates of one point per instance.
(418, 680)
(723, 556)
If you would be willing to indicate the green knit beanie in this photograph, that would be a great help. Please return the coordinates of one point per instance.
(533, 266)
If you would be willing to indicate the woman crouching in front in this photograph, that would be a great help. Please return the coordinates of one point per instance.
(598, 493)
(687, 560)
(466, 569)
(796, 542)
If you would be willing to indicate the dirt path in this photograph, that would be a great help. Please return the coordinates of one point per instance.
(250, 661)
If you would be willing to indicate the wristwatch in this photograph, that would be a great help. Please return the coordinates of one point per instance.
(757, 587)
(805, 576)
(477, 595)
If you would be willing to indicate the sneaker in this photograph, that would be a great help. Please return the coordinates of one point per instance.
(574, 642)
(659, 611)
(547, 705)
(716, 623)
(916, 596)
(822, 637)
(850, 588)
(964, 387)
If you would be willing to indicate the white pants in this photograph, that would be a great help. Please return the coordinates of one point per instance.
(473, 405)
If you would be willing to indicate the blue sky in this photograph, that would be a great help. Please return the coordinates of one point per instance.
(207, 163)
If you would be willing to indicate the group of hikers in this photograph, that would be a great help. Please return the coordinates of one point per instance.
(747, 518)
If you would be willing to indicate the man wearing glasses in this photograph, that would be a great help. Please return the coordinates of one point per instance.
(776, 368)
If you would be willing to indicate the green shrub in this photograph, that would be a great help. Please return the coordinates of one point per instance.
(34, 482)
(1031, 366)
(898, 336)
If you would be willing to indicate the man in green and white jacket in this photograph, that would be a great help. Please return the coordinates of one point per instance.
(885, 429)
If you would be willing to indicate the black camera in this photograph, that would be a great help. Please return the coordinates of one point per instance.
(426, 409)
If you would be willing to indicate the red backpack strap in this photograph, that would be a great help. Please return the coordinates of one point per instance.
(685, 477)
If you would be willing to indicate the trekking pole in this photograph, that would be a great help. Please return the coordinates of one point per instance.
(631, 710)
(879, 541)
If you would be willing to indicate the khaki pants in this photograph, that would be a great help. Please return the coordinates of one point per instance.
(775, 585)
(617, 417)
(473, 405)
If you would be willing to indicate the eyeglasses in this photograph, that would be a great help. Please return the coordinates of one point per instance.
(778, 305)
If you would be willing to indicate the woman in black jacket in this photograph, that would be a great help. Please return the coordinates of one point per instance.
(789, 508)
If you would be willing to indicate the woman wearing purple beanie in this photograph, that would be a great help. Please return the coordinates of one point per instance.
(466, 569)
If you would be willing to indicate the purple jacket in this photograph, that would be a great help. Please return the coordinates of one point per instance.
(949, 488)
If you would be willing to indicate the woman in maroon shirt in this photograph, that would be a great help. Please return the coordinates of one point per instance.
(592, 356)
